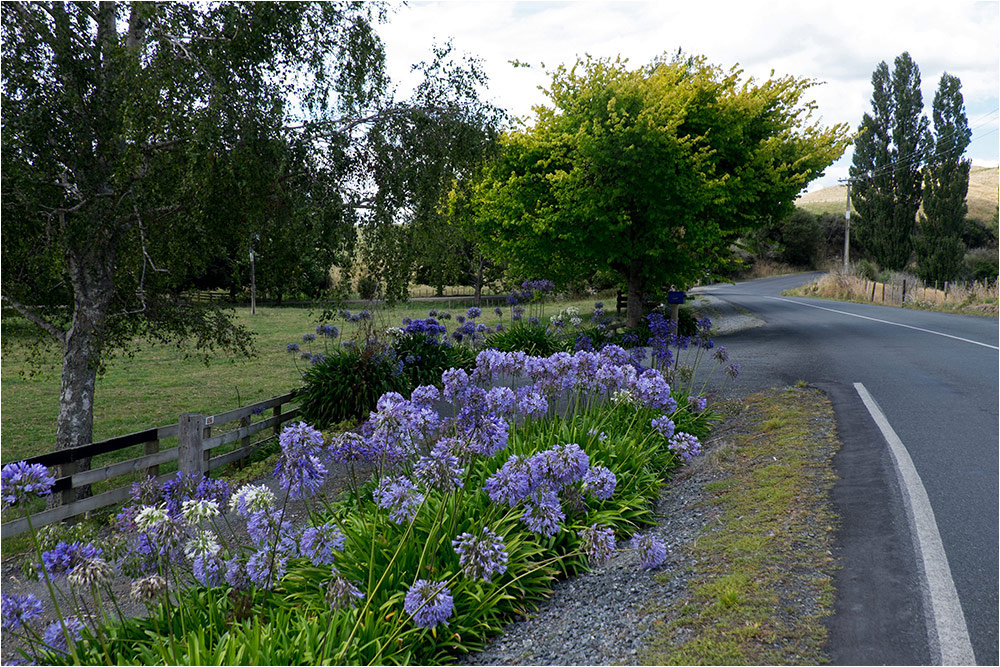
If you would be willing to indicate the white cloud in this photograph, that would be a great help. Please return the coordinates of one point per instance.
(836, 42)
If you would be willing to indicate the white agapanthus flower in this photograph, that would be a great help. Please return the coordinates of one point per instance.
(149, 517)
(576, 322)
(203, 544)
(252, 498)
(196, 511)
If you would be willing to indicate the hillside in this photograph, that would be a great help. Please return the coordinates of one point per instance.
(982, 197)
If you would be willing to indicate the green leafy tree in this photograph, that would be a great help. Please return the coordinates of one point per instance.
(144, 143)
(649, 173)
(885, 171)
(939, 247)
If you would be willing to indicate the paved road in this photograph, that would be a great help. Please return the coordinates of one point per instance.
(936, 381)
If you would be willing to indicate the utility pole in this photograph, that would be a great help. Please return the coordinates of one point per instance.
(253, 281)
(847, 227)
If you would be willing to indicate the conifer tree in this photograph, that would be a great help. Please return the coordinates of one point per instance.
(946, 184)
(888, 155)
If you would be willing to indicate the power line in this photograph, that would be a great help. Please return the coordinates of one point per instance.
(917, 156)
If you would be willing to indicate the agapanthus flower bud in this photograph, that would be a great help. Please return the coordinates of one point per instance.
(91, 572)
(341, 593)
(149, 589)
(597, 543)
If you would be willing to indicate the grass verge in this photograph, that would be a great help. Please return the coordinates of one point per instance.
(964, 299)
(762, 568)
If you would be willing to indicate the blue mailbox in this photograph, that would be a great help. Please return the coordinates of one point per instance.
(675, 297)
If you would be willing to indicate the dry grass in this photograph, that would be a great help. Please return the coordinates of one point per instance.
(969, 298)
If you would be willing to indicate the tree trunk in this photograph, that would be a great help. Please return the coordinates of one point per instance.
(635, 285)
(81, 357)
(479, 284)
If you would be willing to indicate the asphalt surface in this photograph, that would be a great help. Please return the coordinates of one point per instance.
(936, 380)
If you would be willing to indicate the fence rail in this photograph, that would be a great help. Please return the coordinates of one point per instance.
(193, 454)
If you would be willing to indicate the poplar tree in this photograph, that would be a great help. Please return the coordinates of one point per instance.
(946, 184)
(886, 168)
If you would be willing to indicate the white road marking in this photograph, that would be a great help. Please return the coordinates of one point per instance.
(875, 319)
(948, 621)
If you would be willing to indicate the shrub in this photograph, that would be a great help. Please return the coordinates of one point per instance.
(347, 383)
(982, 265)
(533, 339)
(367, 287)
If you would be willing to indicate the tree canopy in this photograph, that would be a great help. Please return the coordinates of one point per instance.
(651, 172)
(145, 144)
(939, 247)
(885, 170)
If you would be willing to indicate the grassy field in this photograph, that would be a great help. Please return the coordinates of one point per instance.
(161, 382)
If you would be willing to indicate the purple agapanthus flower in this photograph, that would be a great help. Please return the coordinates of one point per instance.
(473, 312)
(429, 603)
(685, 444)
(565, 464)
(54, 636)
(512, 483)
(652, 551)
(482, 556)
(60, 560)
(600, 482)
(22, 481)
(597, 543)
(266, 567)
(319, 542)
(543, 515)
(439, 470)
(398, 495)
(20, 609)
(664, 426)
(300, 470)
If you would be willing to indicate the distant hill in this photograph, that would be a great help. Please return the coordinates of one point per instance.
(982, 198)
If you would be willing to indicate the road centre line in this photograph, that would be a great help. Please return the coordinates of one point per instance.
(947, 621)
(875, 319)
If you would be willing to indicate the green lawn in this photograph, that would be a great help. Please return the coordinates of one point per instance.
(159, 384)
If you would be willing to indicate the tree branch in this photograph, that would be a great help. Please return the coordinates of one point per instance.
(36, 319)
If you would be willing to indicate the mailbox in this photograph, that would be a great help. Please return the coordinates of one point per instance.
(675, 297)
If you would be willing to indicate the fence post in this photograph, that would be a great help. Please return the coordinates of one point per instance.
(66, 470)
(874, 285)
(277, 413)
(190, 458)
(152, 447)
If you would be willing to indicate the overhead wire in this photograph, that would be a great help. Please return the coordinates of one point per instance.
(916, 156)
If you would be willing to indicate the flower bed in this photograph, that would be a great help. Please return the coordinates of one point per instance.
(465, 524)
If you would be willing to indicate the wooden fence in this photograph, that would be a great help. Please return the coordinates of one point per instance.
(193, 454)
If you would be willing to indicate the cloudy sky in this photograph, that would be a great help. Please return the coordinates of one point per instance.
(837, 43)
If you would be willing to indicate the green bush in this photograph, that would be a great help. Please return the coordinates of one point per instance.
(533, 339)
(981, 264)
(425, 358)
(367, 287)
(347, 383)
